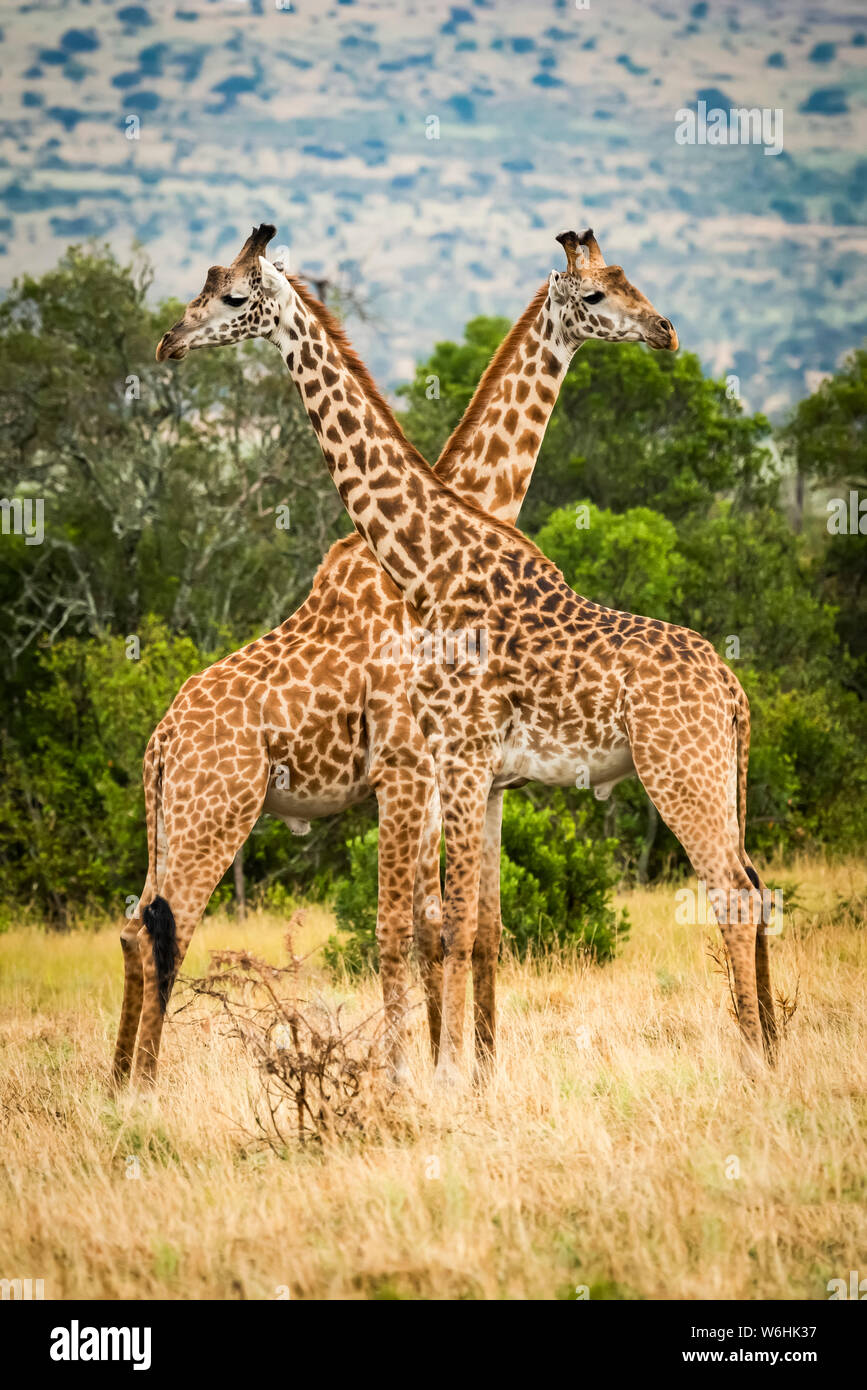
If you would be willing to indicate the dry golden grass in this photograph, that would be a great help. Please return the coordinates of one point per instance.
(601, 1156)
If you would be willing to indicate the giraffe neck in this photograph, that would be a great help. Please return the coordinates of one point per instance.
(392, 496)
(490, 456)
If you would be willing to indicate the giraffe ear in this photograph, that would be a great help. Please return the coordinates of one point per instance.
(272, 280)
(556, 287)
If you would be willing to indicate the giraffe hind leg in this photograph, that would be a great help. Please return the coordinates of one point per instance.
(130, 1011)
(167, 928)
(767, 1014)
(486, 947)
(692, 796)
(194, 867)
(158, 920)
(738, 913)
(133, 975)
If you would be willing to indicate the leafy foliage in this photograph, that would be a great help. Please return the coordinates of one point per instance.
(826, 439)
(827, 433)
(162, 488)
(555, 888)
(558, 880)
(355, 908)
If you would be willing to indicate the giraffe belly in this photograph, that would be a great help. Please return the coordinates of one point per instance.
(297, 809)
(599, 769)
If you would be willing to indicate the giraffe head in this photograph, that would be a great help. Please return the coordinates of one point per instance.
(596, 300)
(234, 304)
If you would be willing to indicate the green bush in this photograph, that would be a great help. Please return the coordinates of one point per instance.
(808, 782)
(556, 882)
(355, 908)
(555, 888)
(72, 827)
(72, 823)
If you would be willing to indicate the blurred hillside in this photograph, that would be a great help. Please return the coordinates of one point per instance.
(318, 116)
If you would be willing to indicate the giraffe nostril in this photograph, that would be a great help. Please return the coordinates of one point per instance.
(664, 323)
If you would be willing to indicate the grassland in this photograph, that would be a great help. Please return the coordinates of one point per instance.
(618, 1149)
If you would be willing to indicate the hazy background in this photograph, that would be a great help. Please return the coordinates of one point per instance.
(161, 483)
(315, 117)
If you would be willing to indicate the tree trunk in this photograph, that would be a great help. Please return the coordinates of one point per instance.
(240, 895)
(799, 500)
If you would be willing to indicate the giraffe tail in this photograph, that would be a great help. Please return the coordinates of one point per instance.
(158, 917)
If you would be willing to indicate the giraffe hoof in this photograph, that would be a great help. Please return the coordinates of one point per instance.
(144, 1080)
(752, 1062)
(447, 1076)
(118, 1079)
(483, 1074)
(399, 1076)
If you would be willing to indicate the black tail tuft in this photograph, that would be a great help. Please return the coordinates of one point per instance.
(160, 922)
(753, 877)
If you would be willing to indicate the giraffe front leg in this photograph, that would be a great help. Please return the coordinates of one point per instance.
(486, 948)
(403, 794)
(464, 795)
(427, 912)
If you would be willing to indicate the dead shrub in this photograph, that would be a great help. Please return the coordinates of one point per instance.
(317, 1073)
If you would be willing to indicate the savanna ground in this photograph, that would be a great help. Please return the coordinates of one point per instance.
(618, 1149)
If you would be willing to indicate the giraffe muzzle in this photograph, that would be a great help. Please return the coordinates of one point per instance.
(169, 348)
(663, 335)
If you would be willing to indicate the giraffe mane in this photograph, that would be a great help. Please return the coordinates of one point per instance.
(494, 372)
(493, 375)
(338, 335)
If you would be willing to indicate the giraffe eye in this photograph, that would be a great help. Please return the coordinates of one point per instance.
(235, 301)
(595, 298)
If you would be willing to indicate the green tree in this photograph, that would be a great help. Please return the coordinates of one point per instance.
(71, 803)
(827, 432)
(160, 485)
(443, 386)
(826, 441)
(558, 879)
(636, 428)
(627, 560)
(631, 428)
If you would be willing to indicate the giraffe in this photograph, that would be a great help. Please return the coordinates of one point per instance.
(569, 684)
(323, 675)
